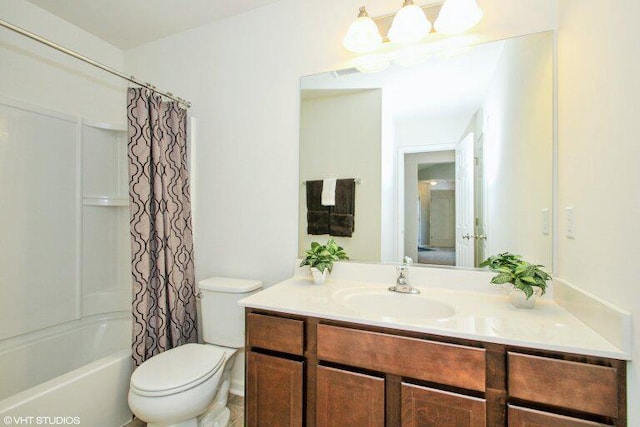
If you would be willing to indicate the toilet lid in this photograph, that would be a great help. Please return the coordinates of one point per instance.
(178, 369)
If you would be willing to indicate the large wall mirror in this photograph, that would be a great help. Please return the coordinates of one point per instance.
(452, 154)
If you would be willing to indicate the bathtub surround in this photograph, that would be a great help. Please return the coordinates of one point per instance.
(67, 371)
(164, 302)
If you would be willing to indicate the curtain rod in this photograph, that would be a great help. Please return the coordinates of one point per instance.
(90, 61)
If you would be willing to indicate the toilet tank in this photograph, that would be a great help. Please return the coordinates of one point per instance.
(222, 317)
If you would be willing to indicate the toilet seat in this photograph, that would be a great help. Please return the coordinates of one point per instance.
(177, 370)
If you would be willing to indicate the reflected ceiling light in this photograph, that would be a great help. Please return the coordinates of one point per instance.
(409, 25)
(458, 16)
(434, 183)
(363, 35)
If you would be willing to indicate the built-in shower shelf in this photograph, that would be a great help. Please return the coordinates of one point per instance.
(105, 201)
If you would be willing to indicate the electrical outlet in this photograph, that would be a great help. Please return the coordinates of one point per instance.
(571, 232)
(545, 221)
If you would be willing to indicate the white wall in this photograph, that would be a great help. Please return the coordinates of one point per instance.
(518, 140)
(421, 131)
(39, 75)
(598, 157)
(242, 75)
(335, 130)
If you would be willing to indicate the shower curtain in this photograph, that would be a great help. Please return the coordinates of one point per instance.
(164, 303)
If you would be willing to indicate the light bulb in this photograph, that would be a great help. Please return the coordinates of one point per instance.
(458, 16)
(409, 25)
(363, 35)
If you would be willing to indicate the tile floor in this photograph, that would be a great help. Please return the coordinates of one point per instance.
(235, 405)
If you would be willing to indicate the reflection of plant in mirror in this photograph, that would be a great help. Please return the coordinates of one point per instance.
(323, 256)
(513, 269)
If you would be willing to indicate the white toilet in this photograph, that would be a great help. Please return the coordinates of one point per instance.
(188, 386)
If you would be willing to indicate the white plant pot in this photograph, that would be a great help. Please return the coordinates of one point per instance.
(318, 277)
(518, 298)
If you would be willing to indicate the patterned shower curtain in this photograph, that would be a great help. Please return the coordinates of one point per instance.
(164, 304)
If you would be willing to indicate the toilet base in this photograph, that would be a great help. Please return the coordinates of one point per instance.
(216, 416)
(191, 422)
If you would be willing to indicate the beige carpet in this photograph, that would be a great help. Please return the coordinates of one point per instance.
(437, 256)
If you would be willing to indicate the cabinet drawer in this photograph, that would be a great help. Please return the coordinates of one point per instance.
(275, 333)
(422, 406)
(450, 364)
(521, 417)
(573, 385)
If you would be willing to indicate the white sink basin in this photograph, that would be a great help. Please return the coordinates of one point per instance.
(391, 305)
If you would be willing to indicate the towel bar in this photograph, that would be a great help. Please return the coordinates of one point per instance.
(356, 180)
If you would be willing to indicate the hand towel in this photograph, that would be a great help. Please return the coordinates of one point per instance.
(341, 225)
(342, 215)
(317, 215)
(329, 192)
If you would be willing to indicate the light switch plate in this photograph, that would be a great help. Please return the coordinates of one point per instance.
(545, 221)
(571, 232)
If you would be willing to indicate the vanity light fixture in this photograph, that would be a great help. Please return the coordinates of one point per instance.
(410, 24)
(458, 16)
(363, 35)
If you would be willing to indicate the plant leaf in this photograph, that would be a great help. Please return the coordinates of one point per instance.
(501, 279)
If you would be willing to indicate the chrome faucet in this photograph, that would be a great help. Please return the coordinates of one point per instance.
(402, 282)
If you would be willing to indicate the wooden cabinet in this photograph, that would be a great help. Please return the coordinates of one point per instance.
(572, 385)
(304, 371)
(275, 333)
(274, 386)
(349, 399)
(455, 365)
(521, 417)
(424, 407)
(274, 391)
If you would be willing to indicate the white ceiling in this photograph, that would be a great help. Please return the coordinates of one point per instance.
(130, 23)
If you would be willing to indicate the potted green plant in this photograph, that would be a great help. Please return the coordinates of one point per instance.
(320, 259)
(528, 280)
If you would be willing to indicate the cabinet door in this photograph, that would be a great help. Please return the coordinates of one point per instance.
(427, 407)
(521, 417)
(274, 391)
(349, 399)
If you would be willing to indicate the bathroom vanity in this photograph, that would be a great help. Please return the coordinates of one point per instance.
(317, 357)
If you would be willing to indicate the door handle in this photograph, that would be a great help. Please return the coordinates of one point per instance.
(474, 236)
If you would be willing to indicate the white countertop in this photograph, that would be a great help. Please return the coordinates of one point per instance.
(484, 316)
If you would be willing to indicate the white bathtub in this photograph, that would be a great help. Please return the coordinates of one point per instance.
(79, 371)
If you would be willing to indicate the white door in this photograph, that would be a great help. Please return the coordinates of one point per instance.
(465, 241)
(480, 200)
(442, 222)
(423, 216)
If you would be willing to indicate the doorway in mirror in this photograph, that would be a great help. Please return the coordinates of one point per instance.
(433, 188)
